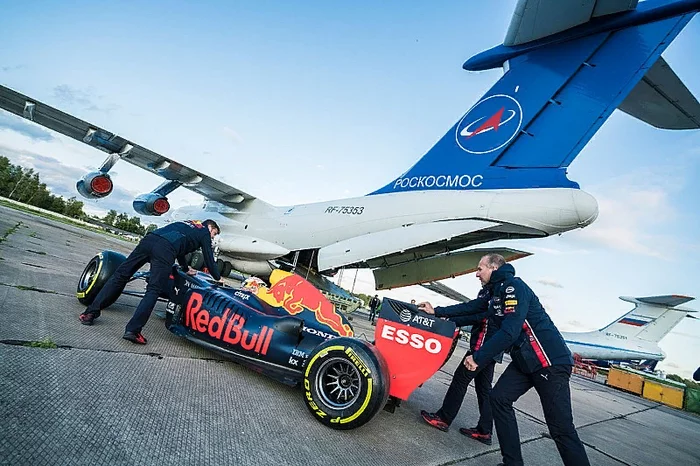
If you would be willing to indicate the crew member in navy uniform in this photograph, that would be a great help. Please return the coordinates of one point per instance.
(540, 359)
(482, 329)
(373, 306)
(161, 248)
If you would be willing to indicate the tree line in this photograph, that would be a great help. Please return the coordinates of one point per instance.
(24, 185)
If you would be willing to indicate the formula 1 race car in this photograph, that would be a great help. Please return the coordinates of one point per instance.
(292, 333)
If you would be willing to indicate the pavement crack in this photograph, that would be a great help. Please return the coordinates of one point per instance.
(27, 343)
(29, 288)
(33, 288)
(620, 416)
(33, 265)
(604, 453)
(10, 231)
(486, 452)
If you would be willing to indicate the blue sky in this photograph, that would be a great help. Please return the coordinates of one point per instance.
(324, 100)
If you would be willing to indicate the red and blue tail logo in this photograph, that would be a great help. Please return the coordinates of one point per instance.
(490, 124)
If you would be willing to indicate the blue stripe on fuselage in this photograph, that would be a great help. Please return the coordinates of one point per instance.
(612, 348)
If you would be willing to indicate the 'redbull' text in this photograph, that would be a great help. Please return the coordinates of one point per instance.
(228, 327)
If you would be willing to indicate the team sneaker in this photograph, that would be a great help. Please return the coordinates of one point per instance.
(434, 420)
(476, 435)
(135, 337)
(87, 318)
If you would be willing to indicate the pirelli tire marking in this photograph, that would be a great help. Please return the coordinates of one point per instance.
(93, 278)
(340, 389)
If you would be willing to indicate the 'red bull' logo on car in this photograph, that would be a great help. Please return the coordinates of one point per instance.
(294, 294)
(228, 327)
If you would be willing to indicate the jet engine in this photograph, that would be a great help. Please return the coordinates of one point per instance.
(95, 185)
(151, 204)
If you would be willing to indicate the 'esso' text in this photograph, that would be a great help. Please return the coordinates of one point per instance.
(415, 340)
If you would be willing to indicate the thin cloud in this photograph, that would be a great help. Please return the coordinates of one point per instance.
(578, 326)
(81, 98)
(550, 282)
(20, 125)
(557, 252)
(633, 216)
(232, 134)
(8, 69)
(61, 179)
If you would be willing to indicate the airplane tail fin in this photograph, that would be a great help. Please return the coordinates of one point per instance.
(651, 319)
(557, 91)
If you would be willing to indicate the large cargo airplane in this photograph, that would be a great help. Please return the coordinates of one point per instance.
(500, 172)
(635, 335)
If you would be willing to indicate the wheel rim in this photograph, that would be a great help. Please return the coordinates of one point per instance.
(88, 275)
(338, 382)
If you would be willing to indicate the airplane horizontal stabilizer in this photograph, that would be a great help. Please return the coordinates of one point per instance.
(437, 267)
(662, 100)
(664, 301)
(535, 19)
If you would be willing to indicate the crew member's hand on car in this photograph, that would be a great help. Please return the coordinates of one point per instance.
(191, 271)
(426, 307)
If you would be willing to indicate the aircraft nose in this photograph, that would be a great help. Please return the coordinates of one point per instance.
(586, 207)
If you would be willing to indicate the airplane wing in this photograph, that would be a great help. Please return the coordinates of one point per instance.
(535, 19)
(108, 142)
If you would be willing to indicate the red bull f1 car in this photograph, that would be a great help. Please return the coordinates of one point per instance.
(292, 333)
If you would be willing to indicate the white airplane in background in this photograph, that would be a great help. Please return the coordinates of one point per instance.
(500, 172)
(635, 336)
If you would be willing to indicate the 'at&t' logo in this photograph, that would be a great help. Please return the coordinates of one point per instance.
(490, 124)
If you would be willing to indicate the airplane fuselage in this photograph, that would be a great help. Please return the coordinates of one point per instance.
(517, 212)
(599, 346)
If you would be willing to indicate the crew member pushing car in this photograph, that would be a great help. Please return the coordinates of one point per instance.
(482, 329)
(160, 248)
(540, 359)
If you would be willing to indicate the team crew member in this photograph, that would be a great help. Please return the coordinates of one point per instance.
(540, 359)
(160, 248)
(373, 306)
(482, 329)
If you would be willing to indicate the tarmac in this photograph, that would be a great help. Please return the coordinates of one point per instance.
(98, 399)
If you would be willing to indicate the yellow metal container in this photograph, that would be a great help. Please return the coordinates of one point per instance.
(625, 380)
(665, 394)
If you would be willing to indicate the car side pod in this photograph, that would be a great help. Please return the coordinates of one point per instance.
(346, 383)
(95, 275)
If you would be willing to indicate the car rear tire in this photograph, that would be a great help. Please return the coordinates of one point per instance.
(455, 340)
(96, 274)
(226, 269)
(346, 383)
(197, 260)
